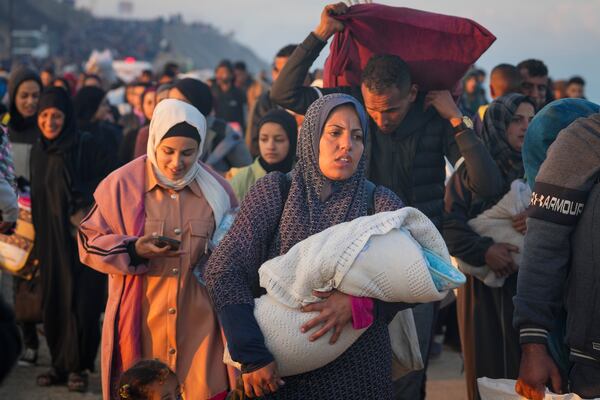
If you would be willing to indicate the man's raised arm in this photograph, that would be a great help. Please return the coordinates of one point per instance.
(288, 90)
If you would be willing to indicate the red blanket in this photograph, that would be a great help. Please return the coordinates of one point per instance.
(439, 49)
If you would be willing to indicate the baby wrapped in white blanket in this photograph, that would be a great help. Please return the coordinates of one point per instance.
(386, 256)
(496, 223)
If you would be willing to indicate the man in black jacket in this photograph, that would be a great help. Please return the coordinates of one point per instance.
(412, 132)
(228, 101)
(264, 104)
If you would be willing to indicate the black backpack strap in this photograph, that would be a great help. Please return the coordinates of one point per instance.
(285, 183)
(370, 197)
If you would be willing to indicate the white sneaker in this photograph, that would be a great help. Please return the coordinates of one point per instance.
(28, 358)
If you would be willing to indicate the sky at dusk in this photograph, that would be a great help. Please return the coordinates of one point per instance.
(564, 34)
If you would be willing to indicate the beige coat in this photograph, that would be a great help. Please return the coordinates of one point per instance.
(179, 326)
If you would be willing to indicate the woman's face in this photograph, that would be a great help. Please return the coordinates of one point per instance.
(341, 144)
(149, 104)
(26, 100)
(273, 142)
(51, 122)
(175, 156)
(470, 85)
(134, 96)
(103, 112)
(515, 133)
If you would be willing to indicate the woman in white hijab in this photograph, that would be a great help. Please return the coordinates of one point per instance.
(150, 227)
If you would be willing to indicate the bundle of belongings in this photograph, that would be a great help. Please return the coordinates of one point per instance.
(496, 223)
(439, 49)
(16, 248)
(397, 256)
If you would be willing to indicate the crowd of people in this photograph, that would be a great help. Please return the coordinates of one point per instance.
(131, 39)
(155, 204)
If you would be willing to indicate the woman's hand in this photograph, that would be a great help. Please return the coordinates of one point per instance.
(335, 313)
(262, 381)
(145, 247)
(519, 222)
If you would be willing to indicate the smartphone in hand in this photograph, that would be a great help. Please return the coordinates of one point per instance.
(163, 241)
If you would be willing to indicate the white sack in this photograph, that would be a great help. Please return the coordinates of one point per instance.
(504, 389)
(376, 256)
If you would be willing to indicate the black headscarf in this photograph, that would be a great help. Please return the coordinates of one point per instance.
(93, 76)
(56, 97)
(198, 94)
(66, 85)
(289, 125)
(21, 129)
(87, 101)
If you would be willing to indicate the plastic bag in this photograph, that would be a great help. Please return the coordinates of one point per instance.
(405, 345)
(504, 389)
(218, 235)
(223, 228)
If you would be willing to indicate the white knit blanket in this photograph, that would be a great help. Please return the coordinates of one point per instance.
(496, 223)
(378, 256)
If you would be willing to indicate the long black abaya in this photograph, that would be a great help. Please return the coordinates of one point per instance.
(64, 173)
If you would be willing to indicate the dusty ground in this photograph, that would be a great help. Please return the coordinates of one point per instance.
(445, 382)
(445, 378)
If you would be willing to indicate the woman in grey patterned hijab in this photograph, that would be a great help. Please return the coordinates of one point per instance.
(316, 201)
(327, 187)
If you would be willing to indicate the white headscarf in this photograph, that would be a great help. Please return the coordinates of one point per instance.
(167, 114)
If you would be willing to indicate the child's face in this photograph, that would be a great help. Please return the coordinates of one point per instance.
(169, 390)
